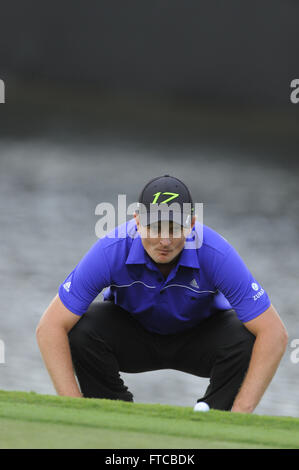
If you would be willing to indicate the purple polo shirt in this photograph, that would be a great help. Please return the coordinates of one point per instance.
(212, 276)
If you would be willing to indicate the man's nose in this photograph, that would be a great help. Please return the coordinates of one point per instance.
(165, 242)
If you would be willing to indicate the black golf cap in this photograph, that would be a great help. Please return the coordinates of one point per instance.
(165, 198)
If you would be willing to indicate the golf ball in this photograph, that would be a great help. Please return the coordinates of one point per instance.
(201, 406)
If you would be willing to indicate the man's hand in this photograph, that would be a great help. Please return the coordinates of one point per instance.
(269, 347)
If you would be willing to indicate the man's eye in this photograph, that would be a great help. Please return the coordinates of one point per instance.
(153, 230)
(176, 230)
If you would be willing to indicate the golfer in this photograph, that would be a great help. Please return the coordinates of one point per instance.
(196, 309)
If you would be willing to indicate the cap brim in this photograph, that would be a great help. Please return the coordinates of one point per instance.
(180, 218)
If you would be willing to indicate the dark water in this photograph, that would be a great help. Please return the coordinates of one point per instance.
(48, 194)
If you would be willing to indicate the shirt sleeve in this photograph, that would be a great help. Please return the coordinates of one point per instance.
(244, 293)
(86, 281)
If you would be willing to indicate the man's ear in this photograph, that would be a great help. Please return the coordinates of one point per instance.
(136, 217)
(187, 231)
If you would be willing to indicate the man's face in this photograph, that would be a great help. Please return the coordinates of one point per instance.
(163, 241)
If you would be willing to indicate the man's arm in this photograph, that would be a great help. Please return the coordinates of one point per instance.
(269, 347)
(52, 338)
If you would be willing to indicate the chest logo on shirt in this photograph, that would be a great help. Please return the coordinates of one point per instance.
(194, 283)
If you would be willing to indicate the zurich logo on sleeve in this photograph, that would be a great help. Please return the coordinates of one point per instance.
(258, 294)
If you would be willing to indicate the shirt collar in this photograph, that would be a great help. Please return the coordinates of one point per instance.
(137, 252)
(189, 258)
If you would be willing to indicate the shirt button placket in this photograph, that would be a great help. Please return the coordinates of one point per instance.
(160, 279)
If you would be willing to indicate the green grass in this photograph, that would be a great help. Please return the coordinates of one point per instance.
(29, 420)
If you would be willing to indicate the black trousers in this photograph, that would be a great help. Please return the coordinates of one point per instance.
(107, 340)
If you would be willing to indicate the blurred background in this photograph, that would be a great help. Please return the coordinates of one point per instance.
(101, 96)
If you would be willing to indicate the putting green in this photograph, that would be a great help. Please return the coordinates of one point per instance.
(29, 420)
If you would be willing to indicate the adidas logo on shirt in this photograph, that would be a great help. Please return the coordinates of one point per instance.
(194, 283)
(67, 286)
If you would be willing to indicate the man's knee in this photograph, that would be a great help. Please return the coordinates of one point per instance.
(249, 341)
(243, 350)
(248, 344)
(238, 350)
(82, 333)
(78, 337)
(232, 334)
